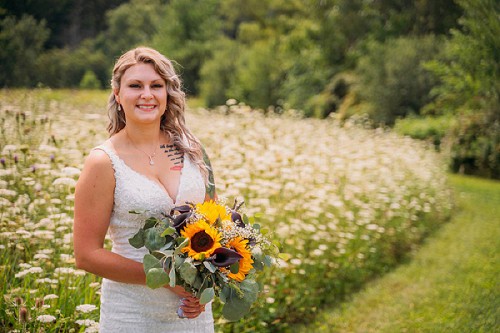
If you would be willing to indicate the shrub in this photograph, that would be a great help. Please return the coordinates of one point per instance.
(21, 42)
(90, 81)
(470, 89)
(430, 128)
(392, 78)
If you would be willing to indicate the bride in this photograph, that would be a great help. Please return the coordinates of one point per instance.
(150, 162)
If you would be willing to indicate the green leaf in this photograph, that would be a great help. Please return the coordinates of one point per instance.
(138, 239)
(167, 232)
(153, 241)
(250, 288)
(169, 243)
(198, 283)
(172, 276)
(256, 226)
(207, 295)
(150, 261)
(235, 308)
(211, 268)
(150, 222)
(224, 294)
(182, 244)
(137, 211)
(164, 253)
(258, 265)
(179, 260)
(235, 268)
(156, 278)
(188, 272)
(268, 261)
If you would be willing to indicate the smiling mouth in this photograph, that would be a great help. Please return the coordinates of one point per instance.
(146, 107)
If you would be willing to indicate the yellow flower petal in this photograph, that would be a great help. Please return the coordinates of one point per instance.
(203, 240)
(212, 211)
(240, 245)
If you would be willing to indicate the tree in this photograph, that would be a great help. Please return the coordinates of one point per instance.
(69, 21)
(21, 42)
(470, 88)
(392, 78)
(130, 25)
(187, 33)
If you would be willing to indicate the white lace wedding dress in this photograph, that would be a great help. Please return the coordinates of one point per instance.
(136, 308)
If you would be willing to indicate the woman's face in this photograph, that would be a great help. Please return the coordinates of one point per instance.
(142, 94)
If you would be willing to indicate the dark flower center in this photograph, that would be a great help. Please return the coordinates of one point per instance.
(201, 242)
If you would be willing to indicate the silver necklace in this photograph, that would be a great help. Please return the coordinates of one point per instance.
(151, 162)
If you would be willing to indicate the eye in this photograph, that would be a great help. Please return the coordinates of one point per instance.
(157, 85)
(134, 85)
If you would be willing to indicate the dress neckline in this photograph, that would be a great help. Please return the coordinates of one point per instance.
(159, 187)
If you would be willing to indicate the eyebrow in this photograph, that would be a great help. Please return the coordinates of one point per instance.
(137, 80)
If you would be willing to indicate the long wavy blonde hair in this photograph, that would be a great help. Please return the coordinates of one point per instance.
(172, 122)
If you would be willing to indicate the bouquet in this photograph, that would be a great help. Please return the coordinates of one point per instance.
(211, 250)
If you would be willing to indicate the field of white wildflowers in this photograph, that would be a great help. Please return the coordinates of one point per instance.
(346, 204)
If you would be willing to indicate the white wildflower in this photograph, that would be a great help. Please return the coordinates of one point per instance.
(85, 308)
(70, 171)
(46, 318)
(64, 181)
(32, 270)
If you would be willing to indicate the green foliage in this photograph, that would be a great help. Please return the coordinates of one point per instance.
(475, 145)
(65, 68)
(70, 22)
(257, 75)
(21, 42)
(218, 73)
(90, 81)
(280, 53)
(132, 24)
(430, 128)
(186, 35)
(470, 88)
(392, 77)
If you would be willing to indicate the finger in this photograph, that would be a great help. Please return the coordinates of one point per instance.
(192, 310)
(191, 301)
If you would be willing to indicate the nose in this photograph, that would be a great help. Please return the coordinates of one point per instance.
(146, 93)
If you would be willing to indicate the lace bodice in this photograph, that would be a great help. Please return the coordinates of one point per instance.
(136, 308)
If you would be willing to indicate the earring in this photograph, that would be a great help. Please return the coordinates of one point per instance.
(119, 107)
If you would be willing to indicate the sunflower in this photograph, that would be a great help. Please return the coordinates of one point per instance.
(212, 211)
(239, 245)
(203, 240)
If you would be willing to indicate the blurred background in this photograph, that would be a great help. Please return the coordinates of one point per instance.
(428, 68)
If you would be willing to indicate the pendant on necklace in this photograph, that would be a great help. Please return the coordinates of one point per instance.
(151, 162)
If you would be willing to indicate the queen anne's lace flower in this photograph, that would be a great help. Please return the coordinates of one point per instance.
(46, 318)
(85, 308)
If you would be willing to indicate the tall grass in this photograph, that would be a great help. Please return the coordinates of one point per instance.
(346, 203)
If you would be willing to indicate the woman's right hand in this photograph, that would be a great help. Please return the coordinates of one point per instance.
(189, 305)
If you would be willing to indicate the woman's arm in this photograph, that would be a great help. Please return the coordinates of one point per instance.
(94, 195)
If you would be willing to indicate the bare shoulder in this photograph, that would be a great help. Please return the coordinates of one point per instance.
(97, 171)
(99, 161)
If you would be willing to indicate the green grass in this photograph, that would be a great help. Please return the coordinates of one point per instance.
(451, 285)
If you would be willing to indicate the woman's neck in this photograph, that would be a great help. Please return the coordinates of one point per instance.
(143, 135)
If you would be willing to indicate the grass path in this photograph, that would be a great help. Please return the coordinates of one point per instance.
(451, 285)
